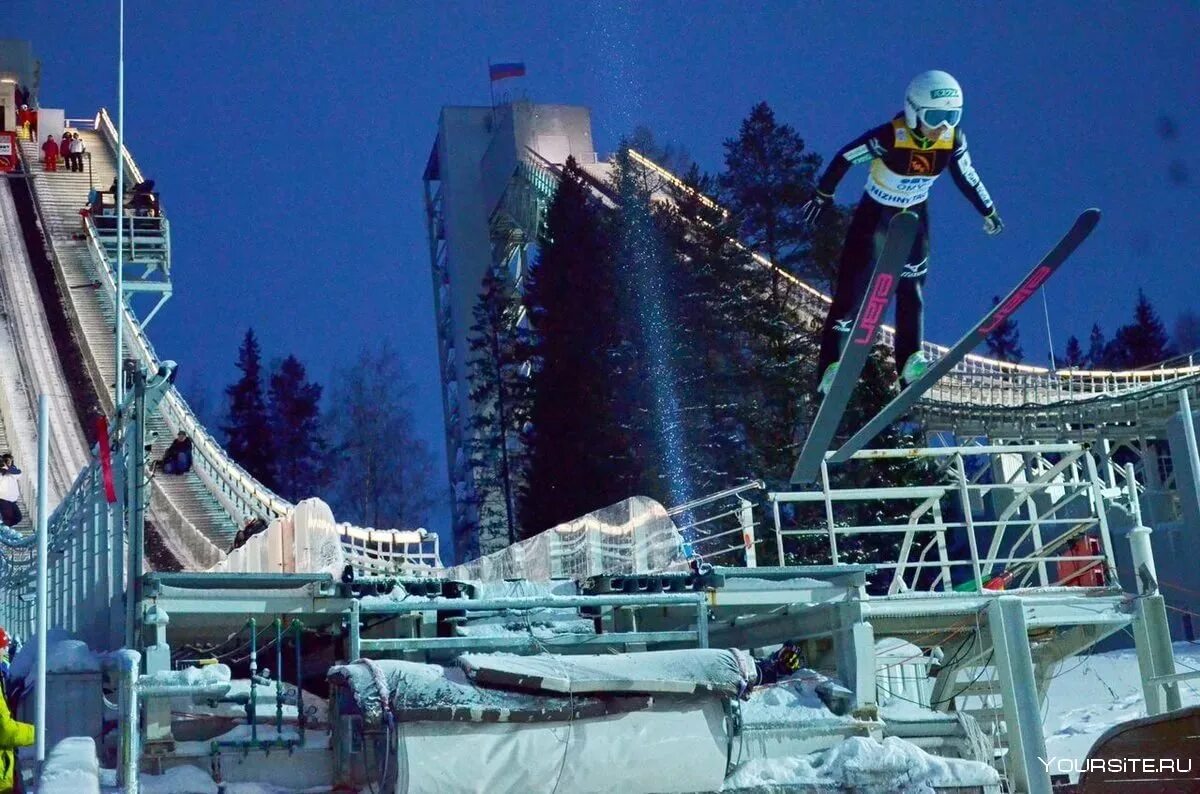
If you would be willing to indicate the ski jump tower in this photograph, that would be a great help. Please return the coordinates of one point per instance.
(483, 207)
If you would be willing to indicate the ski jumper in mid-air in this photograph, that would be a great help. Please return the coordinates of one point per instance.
(906, 155)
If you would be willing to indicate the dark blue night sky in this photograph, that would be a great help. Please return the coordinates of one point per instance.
(288, 140)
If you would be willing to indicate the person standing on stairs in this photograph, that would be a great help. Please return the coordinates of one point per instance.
(50, 154)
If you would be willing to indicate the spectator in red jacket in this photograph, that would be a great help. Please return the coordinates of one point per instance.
(50, 154)
(64, 150)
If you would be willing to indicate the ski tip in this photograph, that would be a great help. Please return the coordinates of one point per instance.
(1093, 212)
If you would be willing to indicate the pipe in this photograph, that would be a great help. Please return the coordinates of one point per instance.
(251, 707)
(1189, 437)
(278, 676)
(43, 451)
(43, 551)
(119, 388)
(147, 688)
(1141, 552)
(300, 719)
(564, 602)
(129, 749)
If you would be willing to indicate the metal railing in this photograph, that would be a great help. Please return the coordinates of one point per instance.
(1007, 530)
(389, 552)
(721, 527)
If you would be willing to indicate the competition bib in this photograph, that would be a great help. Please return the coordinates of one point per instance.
(888, 187)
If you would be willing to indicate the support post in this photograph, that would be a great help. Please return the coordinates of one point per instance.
(1018, 687)
(128, 664)
(158, 660)
(746, 519)
(132, 454)
(1152, 637)
(355, 622)
(119, 386)
(855, 651)
(43, 550)
(964, 495)
(1193, 453)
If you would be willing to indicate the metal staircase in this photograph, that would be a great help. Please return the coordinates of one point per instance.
(179, 503)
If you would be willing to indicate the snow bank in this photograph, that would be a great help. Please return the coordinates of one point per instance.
(179, 780)
(1090, 694)
(71, 768)
(62, 654)
(791, 701)
(866, 766)
(192, 676)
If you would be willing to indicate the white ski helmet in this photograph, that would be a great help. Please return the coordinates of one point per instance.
(934, 97)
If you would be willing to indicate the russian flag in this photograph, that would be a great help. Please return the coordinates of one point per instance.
(501, 71)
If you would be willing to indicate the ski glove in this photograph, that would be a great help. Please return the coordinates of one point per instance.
(992, 224)
(813, 208)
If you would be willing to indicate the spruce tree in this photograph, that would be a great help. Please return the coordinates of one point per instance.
(294, 415)
(1143, 342)
(248, 432)
(1073, 357)
(767, 180)
(726, 286)
(500, 395)
(1004, 342)
(1097, 354)
(1187, 333)
(768, 177)
(578, 450)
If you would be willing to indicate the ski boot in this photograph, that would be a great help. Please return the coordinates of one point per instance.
(827, 379)
(913, 369)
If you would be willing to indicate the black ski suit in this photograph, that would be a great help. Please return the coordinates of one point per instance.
(903, 166)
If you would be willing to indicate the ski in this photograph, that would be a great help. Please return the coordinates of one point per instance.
(1079, 232)
(902, 230)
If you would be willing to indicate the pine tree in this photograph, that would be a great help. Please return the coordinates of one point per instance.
(248, 432)
(1004, 342)
(500, 395)
(293, 412)
(1097, 355)
(578, 450)
(1073, 357)
(1143, 342)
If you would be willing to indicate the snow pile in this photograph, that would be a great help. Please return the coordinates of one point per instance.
(71, 768)
(194, 780)
(63, 655)
(179, 780)
(541, 628)
(191, 676)
(866, 766)
(315, 707)
(722, 671)
(793, 701)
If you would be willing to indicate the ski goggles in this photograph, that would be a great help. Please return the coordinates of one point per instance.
(936, 117)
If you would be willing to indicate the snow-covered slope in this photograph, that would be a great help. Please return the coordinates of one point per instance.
(1090, 694)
